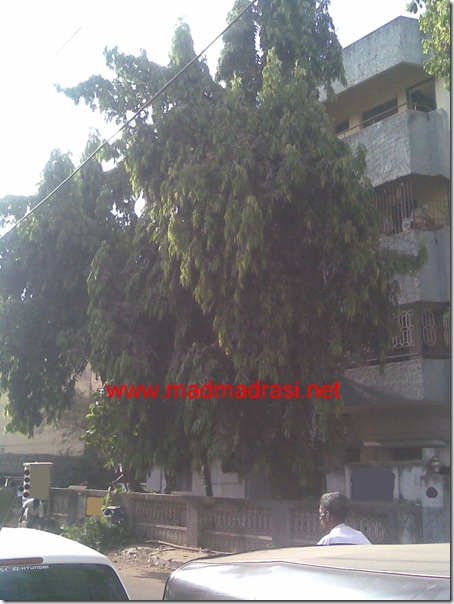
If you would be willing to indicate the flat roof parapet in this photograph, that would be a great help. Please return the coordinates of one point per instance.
(397, 42)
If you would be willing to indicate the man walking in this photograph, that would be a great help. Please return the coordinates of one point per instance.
(333, 511)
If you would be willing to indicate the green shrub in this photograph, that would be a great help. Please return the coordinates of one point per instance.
(99, 533)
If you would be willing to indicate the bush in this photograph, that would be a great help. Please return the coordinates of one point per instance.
(99, 533)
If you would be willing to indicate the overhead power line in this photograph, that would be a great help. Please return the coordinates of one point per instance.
(65, 44)
(136, 114)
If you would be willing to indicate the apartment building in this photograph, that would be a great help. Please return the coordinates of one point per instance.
(397, 420)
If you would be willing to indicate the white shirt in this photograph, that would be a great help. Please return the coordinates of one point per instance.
(344, 535)
(29, 511)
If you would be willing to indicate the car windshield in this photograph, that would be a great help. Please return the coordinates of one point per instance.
(64, 582)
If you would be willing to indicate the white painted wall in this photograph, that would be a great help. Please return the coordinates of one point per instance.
(224, 484)
(336, 482)
(51, 440)
(408, 482)
(443, 97)
(407, 485)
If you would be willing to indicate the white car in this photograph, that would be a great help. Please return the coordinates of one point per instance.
(36, 565)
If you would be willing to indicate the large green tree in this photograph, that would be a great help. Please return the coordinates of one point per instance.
(435, 23)
(44, 340)
(256, 256)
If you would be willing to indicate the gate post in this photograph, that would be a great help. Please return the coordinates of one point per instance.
(435, 505)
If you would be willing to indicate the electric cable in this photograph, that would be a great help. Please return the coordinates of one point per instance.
(132, 118)
(65, 44)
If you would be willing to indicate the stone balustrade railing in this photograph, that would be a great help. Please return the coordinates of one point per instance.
(229, 525)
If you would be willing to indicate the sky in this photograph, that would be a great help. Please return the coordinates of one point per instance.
(49, 42)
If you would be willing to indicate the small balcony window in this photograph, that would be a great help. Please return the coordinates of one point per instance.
(405, 205)
(342, 127)
(379, 113)
(406, 338)
(422, 97)
(422, 331)
(429, 334)
(435, 333)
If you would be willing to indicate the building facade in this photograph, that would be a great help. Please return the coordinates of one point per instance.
(398, 419)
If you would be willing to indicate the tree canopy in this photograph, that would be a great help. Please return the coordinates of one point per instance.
(256, 257)
(435, 22)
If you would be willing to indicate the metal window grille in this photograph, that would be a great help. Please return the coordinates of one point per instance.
(403, 206)
(429, 334)
(406, 338)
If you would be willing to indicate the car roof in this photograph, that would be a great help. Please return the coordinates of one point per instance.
(27, 543)
(430, 559)
(351, 572)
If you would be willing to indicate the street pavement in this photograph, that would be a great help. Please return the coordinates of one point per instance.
(144, 567)
(144, 585)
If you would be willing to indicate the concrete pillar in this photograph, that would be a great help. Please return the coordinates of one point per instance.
(402, 101)
(192, 522)
(354, 122)
(72, 507)
(280, 524)
(435, 508)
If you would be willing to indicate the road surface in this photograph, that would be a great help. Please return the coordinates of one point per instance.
(144, 585)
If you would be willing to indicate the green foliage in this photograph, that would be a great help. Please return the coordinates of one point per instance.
(112, 497)
(299, 33)
(45, 262)
(43, 295)
(88, 468)
(99, 533)
(239, 58)
(435, 22)
(256, 257)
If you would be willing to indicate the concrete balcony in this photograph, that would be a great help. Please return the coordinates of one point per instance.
(387, 49)
(418, 379)
(433, 281)
(409, 142)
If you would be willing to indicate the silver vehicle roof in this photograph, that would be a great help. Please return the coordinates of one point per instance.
(349, 572)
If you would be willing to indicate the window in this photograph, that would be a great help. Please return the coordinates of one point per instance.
(424, 329)
(379, 113)
(352, 455)
(429, 335)
(422, 97)
(342, 127)
(406, 338)
(406, 453)
(61, 582)
(435, 331)
(372, 484)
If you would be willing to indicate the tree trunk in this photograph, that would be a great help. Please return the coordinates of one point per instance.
(130, 480)
(170, 480)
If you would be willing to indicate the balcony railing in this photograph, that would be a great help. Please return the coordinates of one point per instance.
(382, 116)
(410, 215)
(405, 200)
(424, 331)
